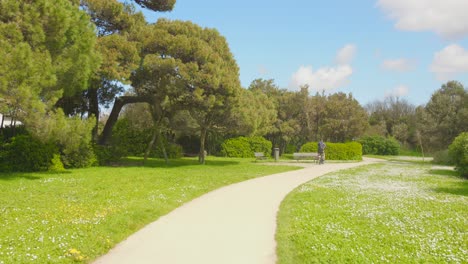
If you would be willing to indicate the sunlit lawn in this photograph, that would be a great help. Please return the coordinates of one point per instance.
(386, 213)
(81, 214)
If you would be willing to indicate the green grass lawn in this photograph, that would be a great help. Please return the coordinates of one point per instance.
(81, 214)
(383, 213)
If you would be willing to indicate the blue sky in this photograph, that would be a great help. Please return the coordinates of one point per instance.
(370, 48)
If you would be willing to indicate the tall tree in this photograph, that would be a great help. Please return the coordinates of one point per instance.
(209, 71)
(345, 119)
(119, 29)
(47, 51)
(445, 116)
(256, 113)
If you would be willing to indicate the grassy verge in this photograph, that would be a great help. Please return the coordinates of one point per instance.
(383, 213)
(79, 215)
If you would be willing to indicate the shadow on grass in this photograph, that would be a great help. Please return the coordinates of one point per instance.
(7, 176)
(461, 189)
(444, 172)
(458, 189)
(173, 163)
(13, 176)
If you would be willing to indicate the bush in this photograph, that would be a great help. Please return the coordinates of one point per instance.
(378, 145)
(56, 164)
(27, 153)
(126, 137)
(458, 152)
(82, 157)
(173, 151)
(337, 151)
(244, 147)
(107, 154)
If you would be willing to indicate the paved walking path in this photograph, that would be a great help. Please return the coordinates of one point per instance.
(234, 224)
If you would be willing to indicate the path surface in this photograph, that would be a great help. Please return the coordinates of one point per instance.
(234, 224)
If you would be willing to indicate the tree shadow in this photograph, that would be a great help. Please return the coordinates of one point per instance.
(460, 188)
(13, 176)
(173, 163)
(444, 172)
(8, 176)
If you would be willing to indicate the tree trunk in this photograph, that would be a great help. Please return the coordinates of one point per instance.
(201, 155)
(94, 110)
(150, 145)
(118, 104)
(166, 159)
(3, 119)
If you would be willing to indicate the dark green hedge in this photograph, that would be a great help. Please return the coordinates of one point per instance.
(244, 147)
(26, 153)
(458, 152)
(378, 145)
(337, 151)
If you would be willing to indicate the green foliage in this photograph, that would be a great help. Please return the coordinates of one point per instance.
(106, 154)
(290, 148)
(378, 145)
(237, 147)
(133, 140)
(81, 157)
(47, 49)
(173, 151)
(8, 132)
(337, 151)
(444, 116)
(27, 153)
(458, 152)
(56, 164)
(130, 138)
(244, 147)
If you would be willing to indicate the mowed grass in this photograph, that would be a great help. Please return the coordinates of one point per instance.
(81, 214)
(383, 213)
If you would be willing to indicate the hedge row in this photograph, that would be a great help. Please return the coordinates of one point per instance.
(244, 147)
(378, 145)
(337, 151)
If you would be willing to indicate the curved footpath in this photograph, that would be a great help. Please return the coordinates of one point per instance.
(233, 224)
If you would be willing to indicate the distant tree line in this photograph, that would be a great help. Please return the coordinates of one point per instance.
(66, 61)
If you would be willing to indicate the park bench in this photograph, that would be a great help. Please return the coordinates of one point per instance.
(259, 155)
(306, 156)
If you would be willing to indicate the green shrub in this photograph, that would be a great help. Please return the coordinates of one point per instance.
(337, 151)
(236, 148)
(378, 145)
(260, 144)
(56, 164)
(126, 137)
(244, 147)
(108, 153)
(290, 149)
(173, 151)
(82, 157)
(27, 153)
(458, 152)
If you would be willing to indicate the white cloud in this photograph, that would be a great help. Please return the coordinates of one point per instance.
(398, 91)
(398, 65)
(449, 62)
(447, 18)
(326, 78)
(346, 55)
